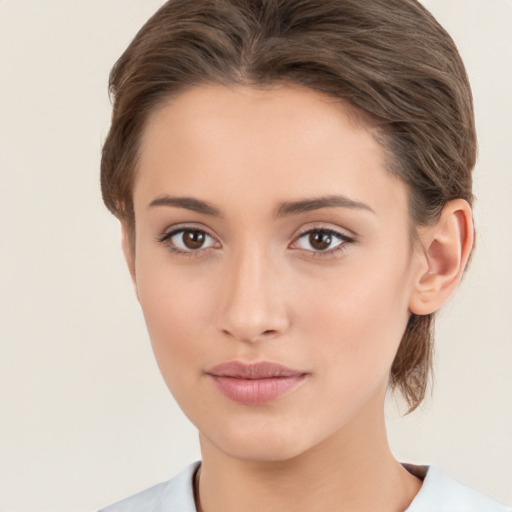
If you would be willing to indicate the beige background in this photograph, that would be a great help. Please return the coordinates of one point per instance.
(84, 416)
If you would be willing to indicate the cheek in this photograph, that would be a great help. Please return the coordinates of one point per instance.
(176, 308)
(358, 316)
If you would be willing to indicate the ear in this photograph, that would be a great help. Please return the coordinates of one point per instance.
(445, 250)
(128, 247)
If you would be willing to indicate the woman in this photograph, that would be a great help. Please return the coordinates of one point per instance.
(293, 181)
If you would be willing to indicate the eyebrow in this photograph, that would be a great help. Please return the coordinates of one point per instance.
(308, 205)
(284, 210)
(188, 203)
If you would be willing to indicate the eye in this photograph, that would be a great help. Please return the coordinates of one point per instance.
(187, 240)
(322, 240)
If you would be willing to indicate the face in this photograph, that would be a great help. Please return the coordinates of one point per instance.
(273, 265)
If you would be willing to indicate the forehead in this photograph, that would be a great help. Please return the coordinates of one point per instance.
(278, 143)
(208, 110)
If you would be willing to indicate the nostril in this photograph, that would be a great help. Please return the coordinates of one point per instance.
(250, 338)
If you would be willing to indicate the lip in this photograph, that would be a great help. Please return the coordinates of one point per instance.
(255, 383)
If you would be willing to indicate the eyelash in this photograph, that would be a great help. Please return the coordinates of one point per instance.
(165, 240)
(344, 240)
(342, 246)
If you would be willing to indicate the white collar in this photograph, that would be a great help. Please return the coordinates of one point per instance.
(441, 493)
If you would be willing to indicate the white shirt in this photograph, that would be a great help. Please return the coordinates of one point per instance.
(439, 493)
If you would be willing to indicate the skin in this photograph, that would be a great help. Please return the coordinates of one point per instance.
(258, 289)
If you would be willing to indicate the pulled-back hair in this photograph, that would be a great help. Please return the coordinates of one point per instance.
(389, 59)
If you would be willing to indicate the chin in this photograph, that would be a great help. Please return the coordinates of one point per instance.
(277, 443)
(262, 452)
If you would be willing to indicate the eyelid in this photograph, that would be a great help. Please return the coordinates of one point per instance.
(322, 226)
(171, 231)
(344, 238)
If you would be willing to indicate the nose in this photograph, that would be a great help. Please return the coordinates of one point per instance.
(253, 305)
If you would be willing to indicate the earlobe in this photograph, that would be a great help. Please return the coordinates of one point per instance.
(129, 252)
(446, 249)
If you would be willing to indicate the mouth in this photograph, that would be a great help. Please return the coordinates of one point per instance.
(255, 383)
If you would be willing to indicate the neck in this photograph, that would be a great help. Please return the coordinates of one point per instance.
(352, 470)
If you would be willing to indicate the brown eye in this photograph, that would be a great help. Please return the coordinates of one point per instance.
(190, 241)
(320, 240)
(193, 239)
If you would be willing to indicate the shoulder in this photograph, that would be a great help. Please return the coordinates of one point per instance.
(175, 494)
(441, 493)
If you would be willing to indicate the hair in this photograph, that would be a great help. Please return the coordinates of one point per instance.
(390, 59)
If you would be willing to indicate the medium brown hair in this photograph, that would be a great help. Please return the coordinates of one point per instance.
(389, 59)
